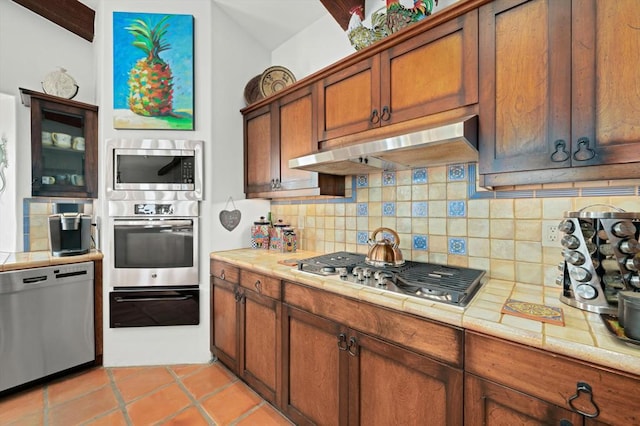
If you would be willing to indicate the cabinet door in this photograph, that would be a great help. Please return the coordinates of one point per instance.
(525, 94)
(486, 403)
(297, 138)
(433, 72)
(260, 343)
(390, 385)
(349, 100)
(314, 369)
(64, 149)
(225, 322)
(261, 155)
(606, 124)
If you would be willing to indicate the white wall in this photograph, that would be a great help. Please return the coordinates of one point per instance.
(225, 59)
(9, 235)
(30, 48)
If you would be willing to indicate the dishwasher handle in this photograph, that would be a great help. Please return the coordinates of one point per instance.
(34, 280)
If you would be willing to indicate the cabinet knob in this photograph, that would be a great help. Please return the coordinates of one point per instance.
(222, 274)
(585, 388)
(584, 152)
(561, 154)
(258, 286)
(374, 118)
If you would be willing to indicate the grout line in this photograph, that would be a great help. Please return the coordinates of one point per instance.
(45, 405)
(121, 404)
(194, 401)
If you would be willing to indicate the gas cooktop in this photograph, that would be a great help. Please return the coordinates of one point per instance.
(442, 283)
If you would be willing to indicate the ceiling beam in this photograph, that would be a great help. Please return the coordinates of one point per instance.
(69, 14)
(339, 9)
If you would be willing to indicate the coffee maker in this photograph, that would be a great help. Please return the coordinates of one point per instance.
(69, 234)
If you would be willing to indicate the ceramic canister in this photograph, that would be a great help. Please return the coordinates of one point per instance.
(260, 234)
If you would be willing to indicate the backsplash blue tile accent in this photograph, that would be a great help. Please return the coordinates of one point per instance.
(457, 209)
(389, 209)
(419, 176)
(457, 246)
(388, 178)
(457, 172)
(362, 209)
(420, 242)
(419, 209)
(362, 237)
(362, 181)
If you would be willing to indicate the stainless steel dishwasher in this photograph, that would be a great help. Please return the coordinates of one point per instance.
(46, 322)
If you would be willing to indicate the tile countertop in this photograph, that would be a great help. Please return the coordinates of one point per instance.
(36, 259)
(584, 335)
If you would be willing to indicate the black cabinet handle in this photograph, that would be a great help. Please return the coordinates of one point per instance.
(353, 346)
(386, 113)
(374, 118)
(561, 154)
(584, 152)
(342, 342)
(585, 388)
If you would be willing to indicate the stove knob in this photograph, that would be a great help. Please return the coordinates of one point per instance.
(343, 272)
(585, 291)
(366, 272)
(358, 272)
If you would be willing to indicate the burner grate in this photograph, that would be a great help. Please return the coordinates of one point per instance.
(457, 282)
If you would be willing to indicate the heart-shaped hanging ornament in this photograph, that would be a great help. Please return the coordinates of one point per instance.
(230, 218)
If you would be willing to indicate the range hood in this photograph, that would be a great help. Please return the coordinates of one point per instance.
(449, 143)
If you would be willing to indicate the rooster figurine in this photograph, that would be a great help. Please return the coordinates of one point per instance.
(399, 16)
(361, 36)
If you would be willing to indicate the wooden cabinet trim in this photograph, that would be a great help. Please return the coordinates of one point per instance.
(224, 271)
(440, 341)
(261, 284)
(553, 378)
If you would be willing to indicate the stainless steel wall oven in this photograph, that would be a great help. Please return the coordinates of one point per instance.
(154, 243)
(154, 263)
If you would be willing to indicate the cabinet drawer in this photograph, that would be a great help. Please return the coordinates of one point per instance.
(224, 271)
(261, 284)
(554, 378)
(437, 340)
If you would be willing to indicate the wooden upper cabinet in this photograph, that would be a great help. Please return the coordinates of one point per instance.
(276, 133)
(555, 93)
(605, 78)
(260, 150)
(435, 71)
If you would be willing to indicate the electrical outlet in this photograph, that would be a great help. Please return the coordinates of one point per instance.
(550, 233)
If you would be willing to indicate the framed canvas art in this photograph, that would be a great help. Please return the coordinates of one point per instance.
(152, 71)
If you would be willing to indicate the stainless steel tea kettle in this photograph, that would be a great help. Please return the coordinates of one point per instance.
(384, 252)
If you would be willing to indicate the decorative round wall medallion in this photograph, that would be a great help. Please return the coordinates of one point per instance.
(59, 83)
(275, 79)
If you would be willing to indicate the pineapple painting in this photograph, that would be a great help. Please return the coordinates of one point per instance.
(153, 71)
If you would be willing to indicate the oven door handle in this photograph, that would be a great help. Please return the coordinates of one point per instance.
(121, 299)
(147, 223)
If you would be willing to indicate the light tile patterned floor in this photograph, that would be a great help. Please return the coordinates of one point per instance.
(161, 395)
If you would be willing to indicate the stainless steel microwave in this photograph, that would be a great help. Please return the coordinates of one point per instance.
(154, 169)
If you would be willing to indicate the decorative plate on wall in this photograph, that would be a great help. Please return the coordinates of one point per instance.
(274, 79)
(59, 83)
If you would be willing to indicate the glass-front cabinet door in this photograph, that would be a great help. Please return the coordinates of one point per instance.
(64, 146)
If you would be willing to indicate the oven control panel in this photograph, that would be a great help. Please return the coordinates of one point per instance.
(153, 209)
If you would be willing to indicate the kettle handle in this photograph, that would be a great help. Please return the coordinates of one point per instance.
(396, 238)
